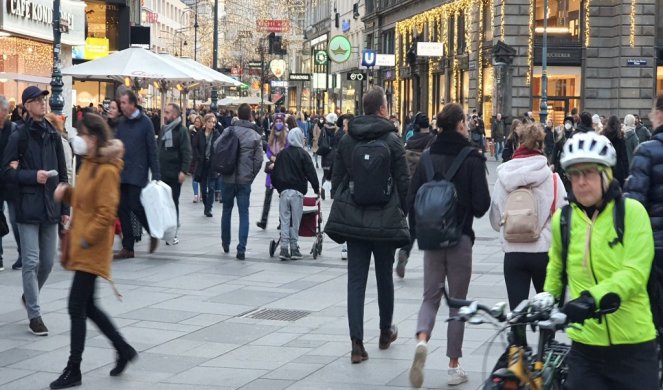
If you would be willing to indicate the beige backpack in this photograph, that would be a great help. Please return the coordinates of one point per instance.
(520, 219)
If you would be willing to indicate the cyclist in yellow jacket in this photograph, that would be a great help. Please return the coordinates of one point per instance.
(617, 350)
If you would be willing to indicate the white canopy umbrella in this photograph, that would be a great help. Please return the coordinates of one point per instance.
(133, 62)
(218, 77)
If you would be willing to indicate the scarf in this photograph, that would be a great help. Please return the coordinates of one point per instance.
(167, 137)
(523, 152)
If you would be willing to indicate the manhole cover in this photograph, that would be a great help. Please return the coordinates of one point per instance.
(277, 314)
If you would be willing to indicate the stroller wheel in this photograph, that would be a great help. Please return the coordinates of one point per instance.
(272, 248)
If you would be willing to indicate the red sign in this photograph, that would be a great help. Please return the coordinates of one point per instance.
(273, 25)
(152, 17)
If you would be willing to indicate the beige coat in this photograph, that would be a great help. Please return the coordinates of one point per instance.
(316, 136)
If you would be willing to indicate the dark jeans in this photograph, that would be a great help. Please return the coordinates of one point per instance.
(622, 367)
(521, 270)
(267, 204)
(82, 307)
(230, 191)
(12, 221)
(359, 262)
(175, 188)
(130, 202)
(207, 188)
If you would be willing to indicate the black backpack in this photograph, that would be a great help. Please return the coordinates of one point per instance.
(654, 286)
(324, 143)
(436, 205)
(226, 153)
(371, 183)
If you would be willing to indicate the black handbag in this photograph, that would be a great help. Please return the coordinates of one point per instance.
(4, 228)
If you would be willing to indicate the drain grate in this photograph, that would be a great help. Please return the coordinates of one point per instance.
(277, 314)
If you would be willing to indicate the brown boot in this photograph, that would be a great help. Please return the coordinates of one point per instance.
(358, 354)
(388, 336)
(154, 243)
(124, 254)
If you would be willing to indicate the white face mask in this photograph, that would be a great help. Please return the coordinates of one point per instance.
(567, 126)
(79, 146)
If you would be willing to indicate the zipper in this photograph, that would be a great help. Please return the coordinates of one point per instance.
(596, 282)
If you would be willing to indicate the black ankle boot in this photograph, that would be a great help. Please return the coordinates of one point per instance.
(125, 356)
(358, 353)
(70, 377)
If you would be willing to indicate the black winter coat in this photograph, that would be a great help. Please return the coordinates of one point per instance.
(645, 183)
(349, 221)
(198, 149)
(470, 180)
(620, 170)
(35, 203)
(293, 168)
(177, 157)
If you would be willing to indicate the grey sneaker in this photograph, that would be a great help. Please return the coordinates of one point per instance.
(2, 266)
(295, 254)
(402, 262)
(456, 376)
(285, 254)
(37, 327)
(417, 370)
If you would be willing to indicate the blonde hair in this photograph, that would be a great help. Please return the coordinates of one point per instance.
(531, 136)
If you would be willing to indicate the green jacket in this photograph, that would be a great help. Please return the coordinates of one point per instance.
(596, 267)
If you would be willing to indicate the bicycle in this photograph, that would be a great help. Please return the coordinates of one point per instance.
(519, 368)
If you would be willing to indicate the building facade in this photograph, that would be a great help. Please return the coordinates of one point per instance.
(602, 55)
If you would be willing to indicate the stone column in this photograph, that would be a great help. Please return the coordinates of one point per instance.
(503, 56)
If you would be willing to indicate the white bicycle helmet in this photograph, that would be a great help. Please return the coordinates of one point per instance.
(590, 148)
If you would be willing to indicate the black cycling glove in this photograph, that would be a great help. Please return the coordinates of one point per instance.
(581, 308)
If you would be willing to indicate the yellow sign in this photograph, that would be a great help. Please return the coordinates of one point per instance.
(94, 48)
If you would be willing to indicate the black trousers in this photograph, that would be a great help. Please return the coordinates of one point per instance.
(413, 234)
(176, 189)
(521, 270)
(82, 307)
(622, 367)
(130, 202)
(359, 263)
(267, 204)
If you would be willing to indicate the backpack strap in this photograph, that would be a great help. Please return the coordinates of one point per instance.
(618, 215)
(427, 162)
(458, 161)
(565, 230)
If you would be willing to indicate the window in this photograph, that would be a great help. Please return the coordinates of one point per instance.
(388, 42)
(563, 18)
(461, 33)
(487, 22)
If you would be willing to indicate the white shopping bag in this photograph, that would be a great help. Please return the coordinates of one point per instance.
(160, 210)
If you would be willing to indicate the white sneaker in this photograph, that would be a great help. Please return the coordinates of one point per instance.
(417, 370)
(174, 241)
(344, 253)
(456, 376)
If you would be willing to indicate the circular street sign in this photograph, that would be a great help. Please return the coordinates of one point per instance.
(339, 49)
(321, 57)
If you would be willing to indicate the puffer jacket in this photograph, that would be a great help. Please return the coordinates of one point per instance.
(470, 180)
(414, 147)
(251, 156)
(95, 199)
(530, 172)
(595, 266)
(645, 184)
(373, 223)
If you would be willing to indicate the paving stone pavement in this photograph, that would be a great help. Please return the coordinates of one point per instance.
(184, 308)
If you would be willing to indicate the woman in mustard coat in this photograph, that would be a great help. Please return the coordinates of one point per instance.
(90, 251)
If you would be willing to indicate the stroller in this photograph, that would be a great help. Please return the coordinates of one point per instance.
(310, 226)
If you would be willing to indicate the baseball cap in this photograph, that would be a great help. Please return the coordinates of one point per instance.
(32, 92)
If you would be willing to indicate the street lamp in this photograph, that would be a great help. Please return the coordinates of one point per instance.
(544, 66)
(215, 54)
(57, 100)
(182, 39)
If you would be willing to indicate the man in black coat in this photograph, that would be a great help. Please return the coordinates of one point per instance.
(34, 161)
(7, 191)
(369, 230)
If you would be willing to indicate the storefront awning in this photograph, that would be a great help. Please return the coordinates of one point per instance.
(26, 78)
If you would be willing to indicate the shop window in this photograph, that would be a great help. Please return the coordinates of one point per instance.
(659, 80)
(563, 92)
(488, 89)
(465, 90)
(563, 18)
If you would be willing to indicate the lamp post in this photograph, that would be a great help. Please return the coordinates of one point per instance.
(57, 100)
(215, 54)
(544, 66)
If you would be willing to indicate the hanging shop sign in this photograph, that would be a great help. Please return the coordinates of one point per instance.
(430, 49)
(356, 76)
(321, 57)
(339, 49)
(34, 18)
(273, 25)
(277, 67)
(385, 60)
(299, 77)
(93, 49)
(368, 58)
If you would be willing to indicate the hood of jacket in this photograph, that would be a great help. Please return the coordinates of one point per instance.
(110, 154)
(629, 130)
(296, 137)
(419, 141)
(368, 127)
(523, 172)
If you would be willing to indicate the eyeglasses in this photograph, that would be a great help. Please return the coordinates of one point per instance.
(587, 174)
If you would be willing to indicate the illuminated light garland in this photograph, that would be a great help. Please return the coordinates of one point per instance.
(492, 17)
(480, 57)
(631, 38)
(588, 27)
(431, 29)
(397, 70)
(502, 9)
(454, 67)
(530, 42)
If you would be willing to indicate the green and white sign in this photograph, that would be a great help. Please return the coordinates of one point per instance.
(321, 57)
(339, 49)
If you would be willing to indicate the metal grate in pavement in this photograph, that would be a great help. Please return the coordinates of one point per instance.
(277, 314)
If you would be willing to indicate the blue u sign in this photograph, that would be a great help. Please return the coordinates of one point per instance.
(368, 58)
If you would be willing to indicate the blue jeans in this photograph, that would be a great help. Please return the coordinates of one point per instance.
(229, 192)
(39, 248)
(499, 148)
(195, 184)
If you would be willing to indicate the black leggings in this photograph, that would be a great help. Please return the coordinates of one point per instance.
(82, 307)
(521, 269)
